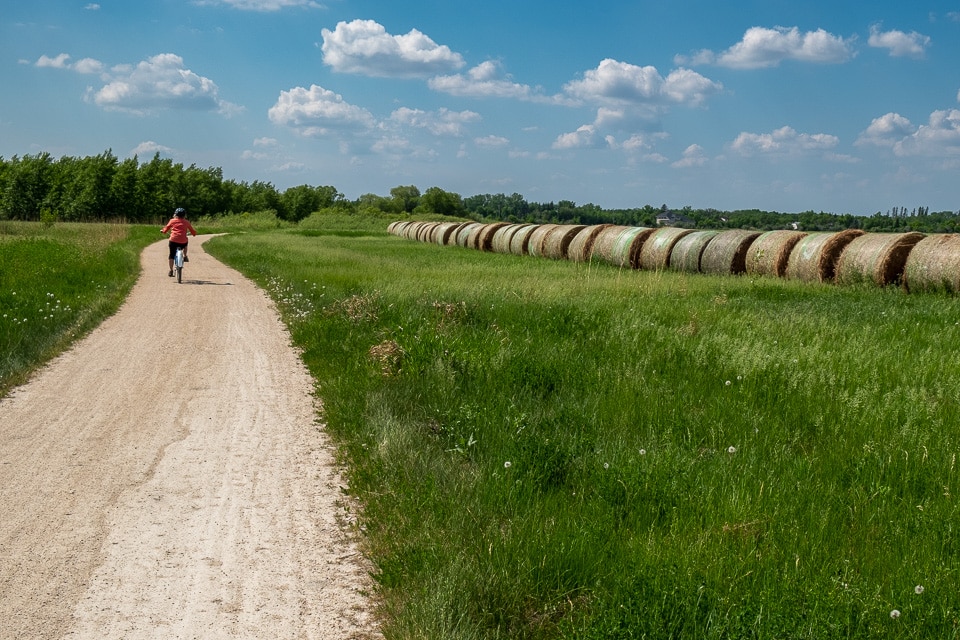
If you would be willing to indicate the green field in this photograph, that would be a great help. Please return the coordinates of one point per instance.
(546, 449)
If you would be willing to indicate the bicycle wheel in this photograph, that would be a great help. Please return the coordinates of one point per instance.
(179, 275)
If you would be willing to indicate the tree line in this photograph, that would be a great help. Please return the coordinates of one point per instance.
(103, 187)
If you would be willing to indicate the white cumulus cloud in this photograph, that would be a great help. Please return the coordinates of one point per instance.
(624, 83)
(693, 156)
(441, 123)
(487, 80)
(783, 141)
(365, 47)
(900, 44)
(314, 111)
(764, 47)
(940, 137)
(262, 5)
(160, 82)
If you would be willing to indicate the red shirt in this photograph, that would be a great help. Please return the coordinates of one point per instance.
(178, 228)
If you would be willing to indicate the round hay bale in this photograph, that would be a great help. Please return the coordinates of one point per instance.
(688, 250)
(520, 240)
(878, 258)
(557, 242)
(655, 253)
(934, 264)
(620, 245)
(463, 233)
(411, 231)
(770, 253)
(423, 231)
(726, 253)
(396, 228)
(450, 235)
(535, 244)
(485, 237)
(581, 247)
(441, 233)
(814, 257)
(504, 236)
(391, 228)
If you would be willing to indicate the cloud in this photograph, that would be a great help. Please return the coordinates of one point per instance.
(900, 44)
(160, 82)
(315, 111)
(762, 47)
(938, 138)
(365, 47)
(150, 147)
(491, 142)
(261, 5)
(783, 141)
(62, 61)
(623, 83)
(92, 7)
(693, 156)
(440, 123)
(486, 80)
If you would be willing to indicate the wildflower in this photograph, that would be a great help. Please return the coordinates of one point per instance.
(918, 589)
(727, 383)
(643, 452)
(507, 464)
(731, 449)
(606, 465)
(895, 614)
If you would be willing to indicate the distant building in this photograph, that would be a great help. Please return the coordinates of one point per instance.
(671, 219)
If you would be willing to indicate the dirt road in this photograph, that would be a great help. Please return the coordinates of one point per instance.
(166, 479)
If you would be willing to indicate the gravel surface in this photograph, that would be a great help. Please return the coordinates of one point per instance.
(167, 478)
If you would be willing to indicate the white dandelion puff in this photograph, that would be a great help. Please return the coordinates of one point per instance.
(895, 614)
(731, 449)
(507, 464)
(918, 589)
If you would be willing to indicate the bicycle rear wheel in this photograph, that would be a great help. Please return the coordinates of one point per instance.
(179, 275)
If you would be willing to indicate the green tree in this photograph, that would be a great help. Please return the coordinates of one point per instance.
(407, 197)
(436, 200)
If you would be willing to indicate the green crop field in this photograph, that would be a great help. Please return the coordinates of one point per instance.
(545, 449)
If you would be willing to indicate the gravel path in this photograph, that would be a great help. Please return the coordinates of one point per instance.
(166, 478)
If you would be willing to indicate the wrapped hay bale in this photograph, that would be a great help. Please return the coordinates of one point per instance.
(934, 264)
(443, 231)
(878, 258)
(620, 246)
(463, 233)
(485, 237)
(423, 232)
(655, 253)
(520, 240)
(814, 257)
(411, 231)
(581, 247)
(557, 241)
(450, 236)
(501, 239)
(688, 250)
(392, 227)
(535, 245)
(726, 253)
(770, 253)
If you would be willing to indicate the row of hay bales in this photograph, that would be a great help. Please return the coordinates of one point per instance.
(917, 261)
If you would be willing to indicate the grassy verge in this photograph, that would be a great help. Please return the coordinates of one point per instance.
(57, 283)
(545, 449)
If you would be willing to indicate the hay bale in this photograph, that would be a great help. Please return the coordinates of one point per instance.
(441, 234)
(934, 264)
(726, 253)
(581, 247)
(410, 231)
(535, 244)
(463, 233)
(392, 227)
(396, 228)
(878, 258)
(520, 240)
(620, 245)
(423, 232)
(655, 253)
(557, 242)
(501, 239)
(485, 237)
(688, 250)
(450, 236)
(814, 257)
(770, 253)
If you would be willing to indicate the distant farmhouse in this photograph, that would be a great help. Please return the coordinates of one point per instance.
(667, 218)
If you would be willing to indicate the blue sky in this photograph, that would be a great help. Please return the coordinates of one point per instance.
(839, 106)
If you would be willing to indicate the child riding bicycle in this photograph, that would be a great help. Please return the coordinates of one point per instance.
(178, 228)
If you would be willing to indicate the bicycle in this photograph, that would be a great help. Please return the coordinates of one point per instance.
(178, 264)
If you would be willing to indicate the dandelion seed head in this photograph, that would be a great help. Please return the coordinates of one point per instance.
(895, 614)
(727, 383)
(507, 464)
(918, 589)
(643, 452)
(731, 449)
(606, 465)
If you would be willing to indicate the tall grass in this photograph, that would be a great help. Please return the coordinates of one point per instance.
(546, 449)
(57, 282)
